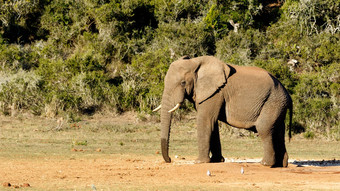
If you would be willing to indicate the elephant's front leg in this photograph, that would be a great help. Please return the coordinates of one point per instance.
(204, 131)
(215, 145)
(207, 130)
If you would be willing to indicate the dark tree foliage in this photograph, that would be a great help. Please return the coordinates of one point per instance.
(87, 56)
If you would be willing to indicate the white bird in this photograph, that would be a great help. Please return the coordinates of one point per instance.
(94, 187)
(242, 171)
(208, 173)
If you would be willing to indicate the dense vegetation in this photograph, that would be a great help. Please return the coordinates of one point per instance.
(85, 56)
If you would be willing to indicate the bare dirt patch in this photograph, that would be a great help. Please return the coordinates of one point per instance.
(122, 153)
(125, 172)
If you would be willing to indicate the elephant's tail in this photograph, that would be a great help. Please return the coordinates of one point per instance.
(290, 120)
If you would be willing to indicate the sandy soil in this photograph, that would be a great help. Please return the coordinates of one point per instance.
(124, 172)
(135, 172)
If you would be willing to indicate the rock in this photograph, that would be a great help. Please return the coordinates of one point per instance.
(6, 184)
(25, 185)
(15, 186)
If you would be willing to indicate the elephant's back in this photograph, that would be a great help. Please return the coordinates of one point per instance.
(254, 71)
(248, 90)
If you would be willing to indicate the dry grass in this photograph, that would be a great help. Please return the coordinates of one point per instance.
(37, 137)
(119, 140)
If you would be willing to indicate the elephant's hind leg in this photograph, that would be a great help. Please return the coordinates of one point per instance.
(268, 149)
(281, 155)
(272, 133)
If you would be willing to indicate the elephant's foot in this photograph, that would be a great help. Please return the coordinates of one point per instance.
(281, 162)
(217, 159)
(267, 162)
(202, 160)
(274, 165)
(278, 162)
(285, 160)
(264, 163)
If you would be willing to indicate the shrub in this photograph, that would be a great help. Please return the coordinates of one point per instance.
(316, 101)
(81, 57)
(17, 57)
(20, 20)
(309, 135)
(183, 38)
(280, 70)
(20, 91)
(240, 48)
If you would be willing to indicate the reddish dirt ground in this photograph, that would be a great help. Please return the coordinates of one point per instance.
(125, 172)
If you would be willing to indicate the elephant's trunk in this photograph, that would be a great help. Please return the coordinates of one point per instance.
(165, 127)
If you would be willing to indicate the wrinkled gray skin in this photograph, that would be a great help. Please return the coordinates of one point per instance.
(243, 97)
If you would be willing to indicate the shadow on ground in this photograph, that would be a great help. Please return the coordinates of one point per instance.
(317, 163)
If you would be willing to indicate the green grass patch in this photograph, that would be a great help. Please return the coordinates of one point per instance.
(30, 138)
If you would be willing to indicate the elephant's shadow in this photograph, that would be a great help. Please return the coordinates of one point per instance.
(317, 163)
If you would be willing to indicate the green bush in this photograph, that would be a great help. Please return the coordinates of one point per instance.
(279, 69)
(316, 101)
(152, 66)
(20, 20)
(241, 48)
(17, 57)
(309, 135)
(81, 57)
(20, 91)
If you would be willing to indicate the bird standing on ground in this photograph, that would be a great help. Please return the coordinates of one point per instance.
(93, 187)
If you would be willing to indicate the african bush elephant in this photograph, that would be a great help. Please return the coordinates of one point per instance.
(243, 97)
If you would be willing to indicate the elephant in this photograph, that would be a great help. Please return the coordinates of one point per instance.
(241, 96)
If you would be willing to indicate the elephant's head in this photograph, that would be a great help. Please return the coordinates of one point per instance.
(196, 79)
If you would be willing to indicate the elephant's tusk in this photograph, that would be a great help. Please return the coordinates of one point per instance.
(158, 108)
(173, 109)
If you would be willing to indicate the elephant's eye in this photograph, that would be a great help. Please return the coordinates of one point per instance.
(183, 83)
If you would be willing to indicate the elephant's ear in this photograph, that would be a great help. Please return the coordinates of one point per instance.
(211, 75)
